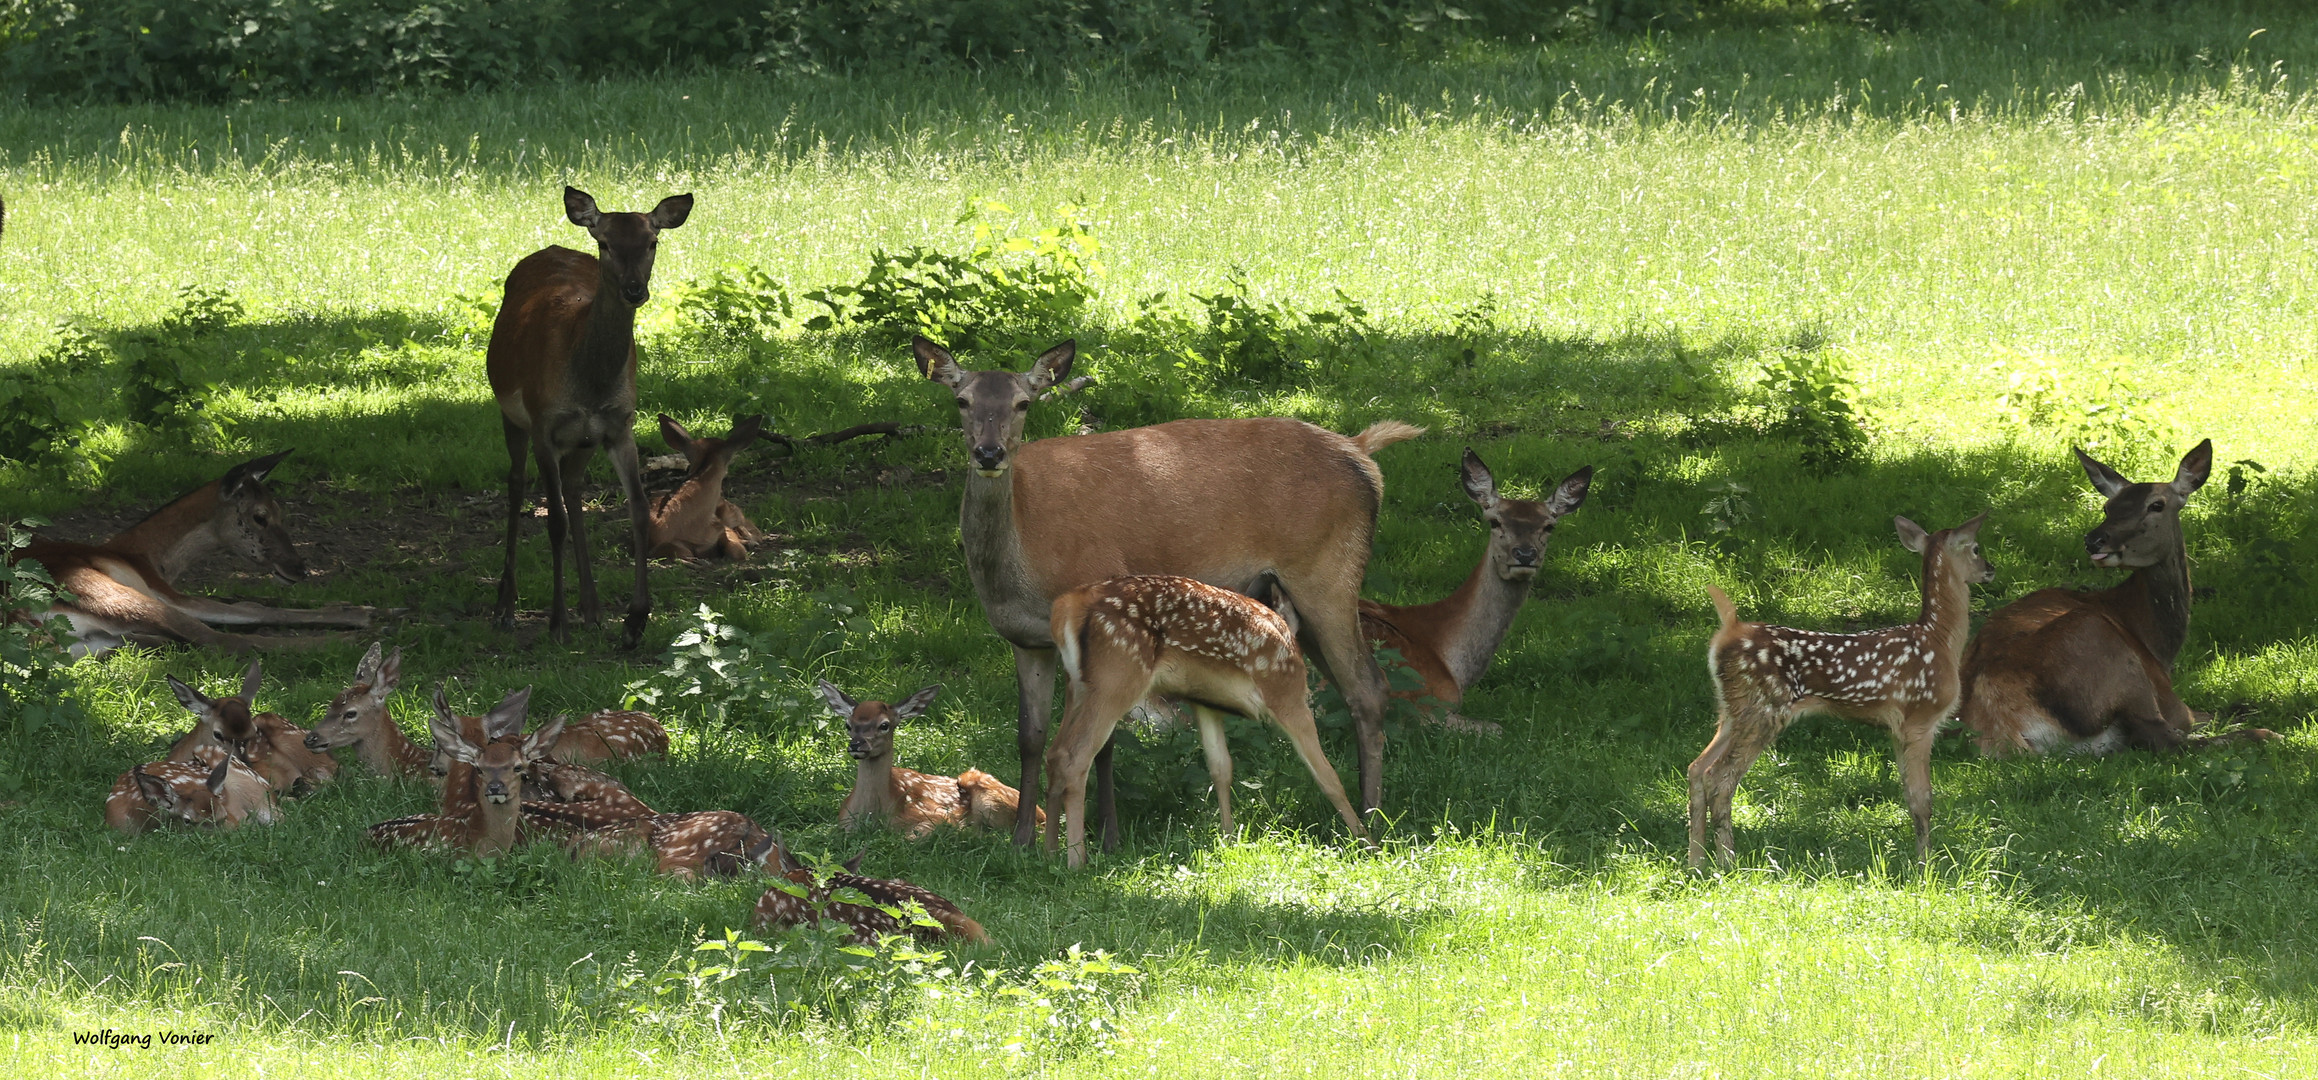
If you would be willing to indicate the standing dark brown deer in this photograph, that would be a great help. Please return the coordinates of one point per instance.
(562, 363)
(2092, 672)
(1902, 678)
(1225, 502)
(1449, 642)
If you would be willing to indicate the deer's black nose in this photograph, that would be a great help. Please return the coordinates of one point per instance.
(989, 456)
(636, 295)
(1526, 556)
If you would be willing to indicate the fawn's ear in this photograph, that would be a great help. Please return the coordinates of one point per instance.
(445, 728)
(677, 438)
(936, 363)
(367, 670)
(506, 718)
(2105, 479)
(388, 675)
(1970, 530)
(580, 208)
(187, 696)
(744, 431)
(538, 743)
(838, 703)
(762, 850)
(155, 790)
(216, 781)
(1911, 535)
(1572, 492)
(1053, 366)
(671, 212)
(1480, 483)
(916, 705)
(853, 865)
(2195, 466)
(249, 682)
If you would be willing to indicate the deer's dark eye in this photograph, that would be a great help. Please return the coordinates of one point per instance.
(886, 726)
(2157, 507)
(261, 518)
(961, 403)
(350, 714)
(1021, 406)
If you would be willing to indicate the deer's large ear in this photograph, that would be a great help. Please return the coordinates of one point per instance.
(249, 682)
(671, 212)
(367, 669)
(1572, 492)
(917, 703)
(1480, 484)
(763, 849)
(840, 704)
(580, 207)
(2105, 479)
(538, 743)
(936, 363)
(853, 865)
(2195, 466)
(506, 718)
(1972, 528)
(250, 473)
(445, 728)
(1053, 366)
(745, 431)
(1911, 535)
(216, 781)
(389, 673)
(677, 438)
(155, 790)
(187, 696)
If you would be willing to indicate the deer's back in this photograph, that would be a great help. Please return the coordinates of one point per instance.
(1217, 500)
(541, 318)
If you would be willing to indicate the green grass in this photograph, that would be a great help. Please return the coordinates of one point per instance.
(1938, 210)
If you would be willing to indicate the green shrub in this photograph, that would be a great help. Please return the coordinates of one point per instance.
(36, 703)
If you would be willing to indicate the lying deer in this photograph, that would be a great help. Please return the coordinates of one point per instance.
(224, 722)
(783, 907)
(1448, 643)
(122, 588)
(599, 799)
(2092, 672)
(610, 735)
(709, 843)
(696, 521)
(1904, 678)
(357, 717)
(483, 804)
(912, 802)
(990, 803)
(1129, 638)
(223, 795)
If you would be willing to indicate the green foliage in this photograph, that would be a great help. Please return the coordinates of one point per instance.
(38, 711)
(2100, 406)
(37, 418)
(724, 675)
(1007, 291)
(1816, 403)
(738, 301)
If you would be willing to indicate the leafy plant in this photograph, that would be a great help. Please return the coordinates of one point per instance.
(2102, 408)
(738, 301)
(37, 706)
(1816, 403)
(722, 673)
(1007, 290)
(1729, 508)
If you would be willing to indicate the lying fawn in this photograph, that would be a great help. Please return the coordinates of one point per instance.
(1448, 643)
(782, 907)
(609, 735)
(1128, 638)
(594, 797)
(224, 722)
(991, 803)
(273, 747)
(222, 795)
(709, 843)
(914, 803)
(696, 521)
(483, 795)
(357, 717)
(1903, 678)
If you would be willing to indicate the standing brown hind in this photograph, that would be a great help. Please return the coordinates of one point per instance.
(1225, 502)
(1903, 679)
(696, 521)
(2092, 672)
(562, 363)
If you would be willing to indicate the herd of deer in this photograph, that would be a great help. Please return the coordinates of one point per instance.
(1132, 560)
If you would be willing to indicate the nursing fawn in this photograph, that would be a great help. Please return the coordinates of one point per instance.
(1903, 678)
(1129, 638)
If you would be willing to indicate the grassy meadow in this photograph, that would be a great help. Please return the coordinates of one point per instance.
(2011, 236)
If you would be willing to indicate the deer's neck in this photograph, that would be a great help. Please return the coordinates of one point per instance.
(1469, 625)
(389, 752)
(995, 560)
(873, 793)
(602, 366)
(496, 827)
(176, 536)
(2154, 604)
(1947, 606)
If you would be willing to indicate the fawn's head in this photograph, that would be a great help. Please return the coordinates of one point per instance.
(358, 710)
(869, 724)
(249, 521)
(993, 405)
(1954, 552)
(626, 241)
(500, 762)
(2141, 524)
(706, 452)
(1519, 529)
(228, 796)
(226, 720)
(504, 719)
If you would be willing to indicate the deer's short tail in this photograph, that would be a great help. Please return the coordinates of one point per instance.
(1384, 433)
(1723, 607)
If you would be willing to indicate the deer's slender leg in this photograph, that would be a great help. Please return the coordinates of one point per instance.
(1212, 742)
(1304, 735)
(1106, 796)
(551, 492)
(575, 516)
(1702, 773)
(1915, 760)
(622, 451)
(1334, 625)
(518, 446)
(1034, 685)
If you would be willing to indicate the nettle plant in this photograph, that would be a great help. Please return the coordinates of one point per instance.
(1008, 290)
(36, 702)
(722, 674)
(1816, 403)
(2101, 406)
